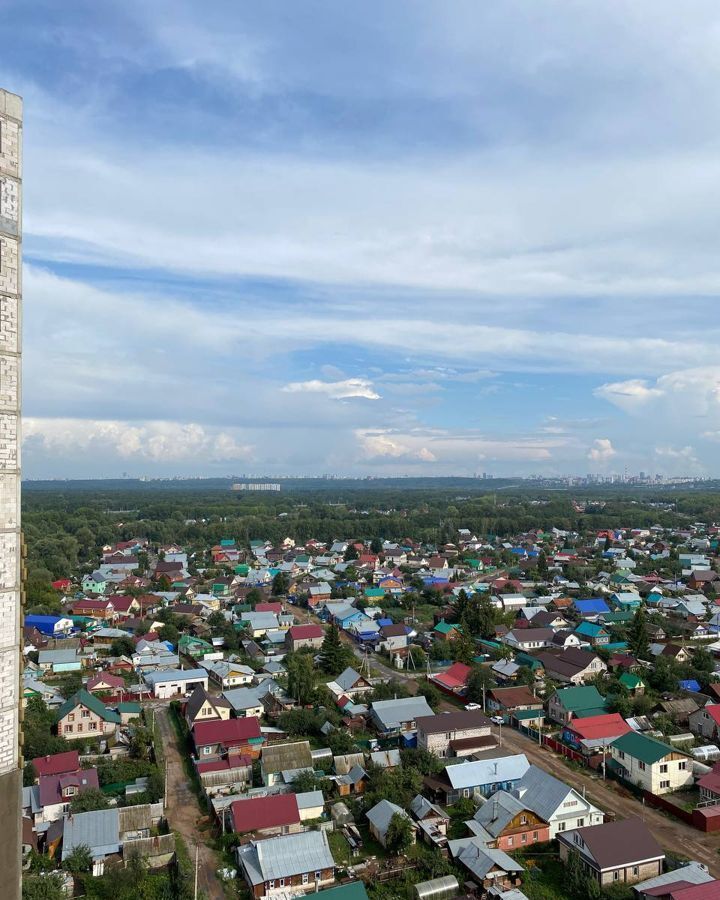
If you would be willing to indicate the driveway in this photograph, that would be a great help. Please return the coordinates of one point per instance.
(183, 812)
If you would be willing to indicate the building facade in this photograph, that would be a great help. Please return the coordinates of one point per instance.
(10, 540)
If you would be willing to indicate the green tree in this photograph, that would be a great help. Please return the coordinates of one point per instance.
(542, 565)
(169, 633)
(480, 678)
(123, 646)
(376, 546)
(42, 887)
(335, 656)
(399, 834)
(638, 637)
(89, 801)
(431, 693)
(463, 646)
(280, 584)
(485, 617)
(351, 553)
(37, 731)
(301, 677)
(79, 859)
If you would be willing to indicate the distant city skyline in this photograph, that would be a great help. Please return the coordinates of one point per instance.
(432, 238)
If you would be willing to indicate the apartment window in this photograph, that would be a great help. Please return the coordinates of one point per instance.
(641, 765)
(664, 784)
(621, 754)
(85, 713)
(561, 826)
(682, 765)
(663, 768)
(71, 717)
(636, 870)
(318, 876)
(93, 726)
(616, 876)
(282, 882)
(510, 841)
(581, 823)
(523, 820)
(271, 884)
(535, 835)
(68, 729)
(523, 839)
(305, 878)
(80, 727)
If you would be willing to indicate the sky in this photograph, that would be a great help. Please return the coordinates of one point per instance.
(397, 237)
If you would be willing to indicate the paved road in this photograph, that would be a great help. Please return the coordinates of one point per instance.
(673, 835)
(183, 812)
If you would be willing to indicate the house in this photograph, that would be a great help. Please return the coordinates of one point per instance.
(479, 778)
(555, 802)
(455, 734)
(97, 609)
(572, 666)
(592, 608)
(98, 830)
(493, 869)
(172, 683)
(302, 636)
(705, 722)
(594, 734)
(626, 601)
(633, 683)
(57, 764)
(506, 823)
(96, 583)
(311, 805)
(202, 707)
(56, 792)
(264, 817)
(84, 716)
(593, 633)
(280, 763)
(380, 817)
(393, 637)
(684, 883)
(709, 785)
(528, 639)
(650, 764)
(299, 862)
(58, 661)
(226, 674)
(349, 684)
(257, 624)
(245, 701)
(52, 626)
(318, 594)
(105, 683)
(576, 702)
(623, 851)
(454, 680)
(224, 736)
(445, 631)
(194, 646)
(432, 821)
(505, 701)
(394, 716)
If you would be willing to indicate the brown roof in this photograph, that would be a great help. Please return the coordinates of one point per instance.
(473, 743)
(393, 631)
(621, 843)
(513, 697)
(453, 721)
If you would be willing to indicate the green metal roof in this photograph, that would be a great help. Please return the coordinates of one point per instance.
(354, 891)
(84, 698)
(444, 628)
(590, 629)
(521, 714)
(575, 699)
(631, 681)
(646, 749)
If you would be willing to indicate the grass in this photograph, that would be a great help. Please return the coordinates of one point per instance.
(544, 879)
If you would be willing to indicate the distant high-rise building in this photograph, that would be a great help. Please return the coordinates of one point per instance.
(10, 538)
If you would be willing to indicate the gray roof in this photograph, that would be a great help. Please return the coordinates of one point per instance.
(31, 798)
(386, 759)
(693, 872)
(347, 678)
(421, 806)
(243, 697)
(46, 657)
(286, 855)
(98, 830)
(260, 621)
(381, 813)
(292, 756)
(498, 811)
(543, 793)
(310, 799)
(487, 771)
(479, 859)
(393, 713)
(154, 678)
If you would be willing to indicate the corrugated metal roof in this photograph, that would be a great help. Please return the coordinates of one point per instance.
(487, 771)
(99, 830)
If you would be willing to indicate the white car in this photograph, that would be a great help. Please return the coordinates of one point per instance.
(471, 707)
(497, 720)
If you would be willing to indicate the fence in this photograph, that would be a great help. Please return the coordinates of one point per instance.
(564, 750)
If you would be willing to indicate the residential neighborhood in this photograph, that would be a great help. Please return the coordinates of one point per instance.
(344, 709)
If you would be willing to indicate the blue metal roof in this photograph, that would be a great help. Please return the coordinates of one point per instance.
(592, 605)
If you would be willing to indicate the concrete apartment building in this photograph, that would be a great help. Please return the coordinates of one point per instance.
(10, 539)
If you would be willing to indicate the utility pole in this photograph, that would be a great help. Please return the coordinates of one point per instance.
(197, 859)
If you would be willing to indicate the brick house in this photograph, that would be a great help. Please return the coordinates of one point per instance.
(84, 716)
(455, 733)
(624, 851)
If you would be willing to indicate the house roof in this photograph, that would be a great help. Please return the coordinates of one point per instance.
(455, 677)
(392, 713)
(226, 731)
(287, 855)
(597, 728)
(305, 632)
(198, 697)
(57, 764)
(381, 814)
(257, 813)
(347, 679)
(577, 699)
(615, 844)
(99, 830)
(592, 606)
(113, 681)
(487, 771)
(287, 757)
(52, 786)
(543, 793)
(641, 747)
(452, 721)
(91, 702)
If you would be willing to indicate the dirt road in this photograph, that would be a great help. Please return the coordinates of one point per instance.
(672, 835)
(183, 812)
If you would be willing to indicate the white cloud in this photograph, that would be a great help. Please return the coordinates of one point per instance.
(602, 450)
(628, 395)
(156, 442)
(335, 390)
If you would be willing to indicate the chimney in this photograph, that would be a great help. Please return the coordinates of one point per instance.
(495, 810)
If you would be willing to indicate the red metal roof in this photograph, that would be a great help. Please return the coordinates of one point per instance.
(219, 765)
(113, 681)
(455, 677)
(708, 891)
(305, 632)
(229, 731)
(265, 812)
(269, 607)
(57, 764)
(597, 727)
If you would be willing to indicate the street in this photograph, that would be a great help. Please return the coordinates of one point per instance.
(182, 811)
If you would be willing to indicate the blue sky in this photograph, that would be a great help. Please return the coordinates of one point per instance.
(399, 237)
